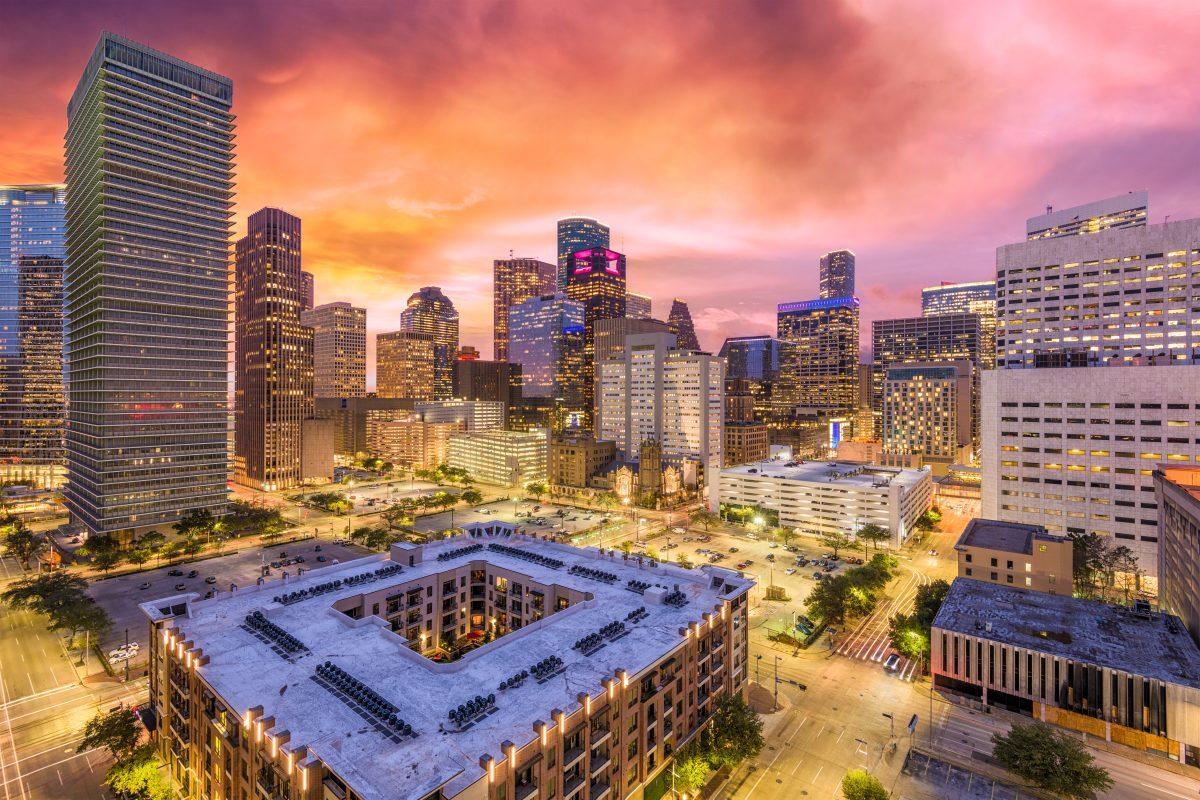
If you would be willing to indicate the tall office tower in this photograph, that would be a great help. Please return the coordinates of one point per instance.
(1099, 338)
(865, 425)
(756, 360)
(404, 365)
(820, 369)
(546, 335)
(467, 352)
(515, 280)
(976, 297)
(575, 234)
(273, 354)
(610, 334)
(147, 292)
(652, 391)
(32, 410)
(308, 291)
(927, 412)
(597, 282)
(1123, 211)
(339, 349)
(637, 306)
(487, 380)
(680, 323)
(429, 311)
(948, 337)
(837, 275)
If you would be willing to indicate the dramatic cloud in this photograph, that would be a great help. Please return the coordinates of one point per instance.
(727, 144)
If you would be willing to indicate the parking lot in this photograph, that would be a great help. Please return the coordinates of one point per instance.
(120, 596)
(573, 521)
(377, 496)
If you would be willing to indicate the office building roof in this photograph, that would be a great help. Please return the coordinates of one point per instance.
(1009, 537)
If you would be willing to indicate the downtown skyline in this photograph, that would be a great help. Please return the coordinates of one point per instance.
(401, 193)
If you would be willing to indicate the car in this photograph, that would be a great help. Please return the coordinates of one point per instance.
(753, 536)
(678, 529)
(192, 573)
(770, 556)
(830, 567)
(743, 564)
(179, 587)
(485, 511)
(834, 558)
(274, 565)
(791, 548)
(282, 554)
(827, 556)
(773, 545)
(706, 538)
(322, 559)
(144, 586)
(790, 571)
(816, 576)
(749, 561)
(176, 573)
(733, 549)
(117, 655)
(211, 593)
(210, 580)
(893, 661)
(298, 560)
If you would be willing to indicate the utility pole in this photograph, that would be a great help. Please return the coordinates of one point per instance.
(777, 660)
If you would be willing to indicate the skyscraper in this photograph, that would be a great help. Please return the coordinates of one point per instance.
(597, 282)
(273, 353)
(515, 280)
(147, 294)
(32, 245)
(638, 306)
(404, 365)
(820, 368)
(575, 234)
(339, 349)
(927, 410)
(837, 275)
(1123, 211)
(429, 311)
(308, 291)
(487, 380)
(976, 297)
(756, 360)
(547, 341)
(680, 322)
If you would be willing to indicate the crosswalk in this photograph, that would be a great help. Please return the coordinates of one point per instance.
(869, 640)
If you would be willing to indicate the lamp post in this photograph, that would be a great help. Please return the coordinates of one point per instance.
(777, 660)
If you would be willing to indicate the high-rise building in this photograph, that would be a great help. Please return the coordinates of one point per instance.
(946, 337)
(488, 380)
(349, 416)
(927, 412)
(575, 234)
(1123, 211)
(339, 349)
(1177, 494)
(597, 282)
(610, 334)
(515, 280)
(546, 335)
(32, 409)
(820, 368)
(468, 352)
(746, 442)
(404, 365)
(653, 392)
(680, 323)
(976, 297)
(308, 290)
(147, 292)
(273, 353)
(755, 360)
(837, 275)
(638, 306)
(429, 311)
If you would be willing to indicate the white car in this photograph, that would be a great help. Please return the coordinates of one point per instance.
(790, 571)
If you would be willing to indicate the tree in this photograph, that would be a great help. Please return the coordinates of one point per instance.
(683, 561)
(909, 633)
(192, 546)
(138, 556)
(139, 776)
(117, 731)
(378, 538)
(858, 784)
(444, 499)
(537, 489)
(735, 733)
(652, 554)
(836, 541)
(1098, 565)
(102, 551)
(874, 535)
(197, 522)
(151, 540)
(170, 551)
(608, 500)
(1050, 760)
(690, 770)
(784, 535)
(702, 516)
(20, 542)
(45, 593)
(471, 497)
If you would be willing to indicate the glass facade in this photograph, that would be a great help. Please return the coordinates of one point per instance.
(837, 275)
(547, 341)
(339, 349)
(597, 282)
(575, 234)
(680, 322)
(32, 247)
(820, 369)
(431, 312)
(515, 280)
(149, 164)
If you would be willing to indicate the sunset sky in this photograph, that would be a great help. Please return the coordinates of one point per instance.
(728, 144)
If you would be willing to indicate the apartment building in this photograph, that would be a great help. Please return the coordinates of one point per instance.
(1013, 554)
(927, 411)
(575, 459)
(409, 441)
(565, 672)
(746, 442)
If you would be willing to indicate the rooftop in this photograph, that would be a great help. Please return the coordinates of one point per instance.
(1082, 630)
(1187, 479)
(245, 671)
(844, 473)
(1009, 537)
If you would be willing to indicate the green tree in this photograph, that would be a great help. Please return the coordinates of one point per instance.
(909, 633)
(444, 500)
(858, 784)
(608, 500)
(836, 541)
(928, 521)
(378, 538)
(20, 542)
(170, 551)
(626, 547)
(702, 516)
(652, 553)
(151, 540)
(139, 776)
(735, 733)
(117, 731)
(537, 489)
(873, 535)
(197, 522)
(471, 497)
(683, 561)
(784, 535)
(1050, 760)
(192, 546)
(690, 771)
(103, 552)
(138, 556)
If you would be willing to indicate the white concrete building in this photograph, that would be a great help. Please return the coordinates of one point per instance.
(652, 391)
(1074, 450)
(501, 458)
(475, 415)
(820, 496)
(339, 349)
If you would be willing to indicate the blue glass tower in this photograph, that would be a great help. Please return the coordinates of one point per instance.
(32, 248)
(575, 234)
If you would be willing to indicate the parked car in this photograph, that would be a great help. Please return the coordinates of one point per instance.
(179, 587)
(176, 573)
(210, 580)
(816, 576)
(322, 559)
(893, 661)
(773, 545)
(770, 556)
(753, 536)
(790, 571)
(733, 549)
(144, 586)
(211, 593)
(192, 573)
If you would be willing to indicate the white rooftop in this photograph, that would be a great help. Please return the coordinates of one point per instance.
(247, 673)
(842, 473)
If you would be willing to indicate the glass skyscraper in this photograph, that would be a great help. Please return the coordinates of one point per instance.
(149, 162)
(546, 339)
(429, 311)
(575, 234)
(820, 368)
(837, 275)
(32, 247)
(515, 280)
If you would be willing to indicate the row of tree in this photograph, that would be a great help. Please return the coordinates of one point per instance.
(853, 593)
(733, 735)
(136, 771)
(62, 597)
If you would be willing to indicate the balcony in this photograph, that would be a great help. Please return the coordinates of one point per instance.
(599, 735)
(571, 785)
(599, 790)
(599, 764)
(571, 756)
(526, 791)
